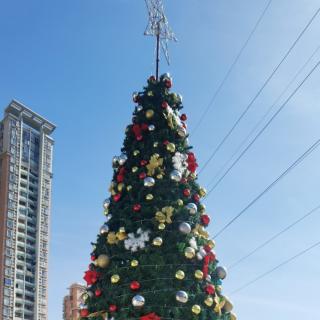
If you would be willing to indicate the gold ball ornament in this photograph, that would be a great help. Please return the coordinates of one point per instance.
(159, 176)
(161, 226)
(228, 305)
(189, 252)
(150, 94)
(149, 114)
(149, 197)
(193, 176)
(171, 147)
(134, 169)
(129, 188)
(209, 301)
(202, 207)
(180, 202)
(211, 244)
(120, 186)
(115, 278)
(136, 152)
(198, 274)
(102, 261)
(180, 275)
(157, 241)
(196, 309)
(202, 192)
(233, 316)
(134, 263)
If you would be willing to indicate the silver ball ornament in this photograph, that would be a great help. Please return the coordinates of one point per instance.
(182, 296)
(138, 301)
(151, 127)
(104, 229)
(192, 208)
(115, 161)
(176, 175)
(122, 159)
(106, 204)
(221, 272)
(184, 228)
(139, 108)
(149, 182)
(82, 306)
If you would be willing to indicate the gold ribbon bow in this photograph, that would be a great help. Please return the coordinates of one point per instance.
(219, 304)
(114, 238)
(165, 215)
(200, 231)
(154, 163)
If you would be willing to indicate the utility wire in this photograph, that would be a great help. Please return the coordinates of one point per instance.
(264, 127)
(245, 44)
(260, 91)
(222, 168)
(270, 186)
(276, 267)
(290, 226)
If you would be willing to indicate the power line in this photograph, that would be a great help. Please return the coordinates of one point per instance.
(264, 127)
(276, 267)
(270, 186)
(259, 91)
(245, 44)
(264, 116)
(290, 226)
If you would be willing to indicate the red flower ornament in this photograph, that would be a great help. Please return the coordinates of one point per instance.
(91, 277)
(150, 316)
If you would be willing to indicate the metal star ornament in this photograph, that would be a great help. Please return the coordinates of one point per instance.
(158, 26)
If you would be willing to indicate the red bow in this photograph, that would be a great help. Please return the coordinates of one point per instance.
(192, 162)
(210, 257)
(120, 176)
(150, 316)
(137, 130)
(91, 277)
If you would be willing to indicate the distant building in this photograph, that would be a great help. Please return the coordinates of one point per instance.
(25, 203)
(71, 302)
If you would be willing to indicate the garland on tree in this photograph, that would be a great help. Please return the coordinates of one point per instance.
(153, 258)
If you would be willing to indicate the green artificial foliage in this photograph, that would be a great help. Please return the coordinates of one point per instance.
(154, 181)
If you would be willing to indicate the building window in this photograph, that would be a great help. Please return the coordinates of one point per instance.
(7, 282)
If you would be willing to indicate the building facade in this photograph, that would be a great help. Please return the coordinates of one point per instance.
(72, 302)
(25, 201)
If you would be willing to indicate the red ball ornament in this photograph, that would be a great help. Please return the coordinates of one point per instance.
(144, 127)
(152, 79)
(98, 293)
(142, 175)
(186, 192)
(165, 142)
(93, 257)
(183, 181)
(183, 117)
(210, 289)
(113, 308)
(168, 83)
(164, 105)
(196, 197)
(207, 248)
(143, 162)
(139, 138)
(116, 197)
(84, 312)
(137, 207)
(205, 219)
(134, 285)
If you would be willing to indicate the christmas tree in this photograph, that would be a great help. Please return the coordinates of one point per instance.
(153, 258)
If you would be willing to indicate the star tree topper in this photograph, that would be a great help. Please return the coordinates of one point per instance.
(158, 26)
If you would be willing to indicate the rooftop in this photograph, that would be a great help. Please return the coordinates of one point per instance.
(31, 118)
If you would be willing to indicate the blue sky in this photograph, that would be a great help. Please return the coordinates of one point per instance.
(78, 62)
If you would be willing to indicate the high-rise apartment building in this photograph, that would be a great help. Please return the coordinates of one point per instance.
(72, 302)
(25, 200)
